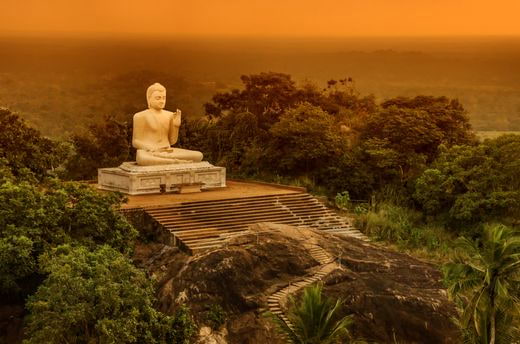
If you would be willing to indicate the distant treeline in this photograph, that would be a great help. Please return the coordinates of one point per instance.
(61, 85)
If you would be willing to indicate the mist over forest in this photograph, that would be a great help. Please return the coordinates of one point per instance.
(59, 85)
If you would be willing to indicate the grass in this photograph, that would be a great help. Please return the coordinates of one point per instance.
(404, 228)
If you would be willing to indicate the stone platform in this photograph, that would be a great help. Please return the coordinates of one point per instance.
(132, 179)
(233, 189)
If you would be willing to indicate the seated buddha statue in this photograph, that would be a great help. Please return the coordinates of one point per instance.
(156, 130)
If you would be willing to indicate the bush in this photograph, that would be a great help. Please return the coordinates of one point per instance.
(216, 316)
(32, 220)
(98, 297)
(305, 139)
(342, 200)
(24, 149)
(316, 319)
(390, 222)
(404, 227)
(105, 144)
(468, 185)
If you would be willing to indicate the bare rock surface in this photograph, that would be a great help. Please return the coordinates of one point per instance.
(391, 295)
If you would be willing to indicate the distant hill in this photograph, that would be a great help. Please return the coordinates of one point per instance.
(491, 134)
(60, 84)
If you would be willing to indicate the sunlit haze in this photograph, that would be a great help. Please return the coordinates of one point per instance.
(334, 18)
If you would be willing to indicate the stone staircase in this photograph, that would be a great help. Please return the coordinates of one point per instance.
(276, 302)
(209, 224)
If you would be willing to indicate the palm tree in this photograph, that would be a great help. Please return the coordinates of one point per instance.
(489, 274)
(314, 319)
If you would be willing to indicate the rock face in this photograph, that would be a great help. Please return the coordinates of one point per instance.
(391, 295)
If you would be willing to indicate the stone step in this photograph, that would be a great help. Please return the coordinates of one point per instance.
(240, 219)
(296, 205)
(228, 201)
(304, 209)
(204, 225)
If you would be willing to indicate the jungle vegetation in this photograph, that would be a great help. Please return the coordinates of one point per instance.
(411, 170)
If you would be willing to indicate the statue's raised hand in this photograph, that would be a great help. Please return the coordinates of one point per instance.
(176, 118)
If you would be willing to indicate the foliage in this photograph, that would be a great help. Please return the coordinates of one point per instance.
(332, 136)
(404, 136)
(349, 172)
(106, 144)
(316, 319)
(24, 150)
(393, 144)
(361, 209)
(16, 260)
(216, 316)
(200, 135)
(98, 297)
(403, 226)
(304, 139)
(265, 95)
(471, 184)
(391, 222)
(489, 272)
(447, 115)
(342, 200)
(32, 220)
(342, 99)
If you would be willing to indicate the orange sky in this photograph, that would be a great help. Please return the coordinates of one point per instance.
(262, 17)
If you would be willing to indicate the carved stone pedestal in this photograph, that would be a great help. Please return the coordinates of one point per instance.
(132, 179)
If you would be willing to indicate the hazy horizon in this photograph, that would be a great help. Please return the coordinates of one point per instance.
(63, 77)
(264, 18)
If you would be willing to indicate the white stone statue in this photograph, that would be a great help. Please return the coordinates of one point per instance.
(156, 130)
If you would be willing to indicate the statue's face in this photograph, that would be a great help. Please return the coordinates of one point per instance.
(158, 100)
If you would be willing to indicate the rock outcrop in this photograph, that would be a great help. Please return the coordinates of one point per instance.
(391, 295)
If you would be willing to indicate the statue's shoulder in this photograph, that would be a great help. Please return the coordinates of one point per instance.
(141, 114)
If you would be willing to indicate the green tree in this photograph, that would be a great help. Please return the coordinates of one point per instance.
(489, 273)
(316, 320)
(305, 139)
(98, 297)
(105, 144)
(32, 220)
(266, 95)
(448, 115)
(350, 172)
(341, 99)
(403, 137)
(470, 184)
(25, 149)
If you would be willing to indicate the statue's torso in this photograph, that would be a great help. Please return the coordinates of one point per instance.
(155, 128)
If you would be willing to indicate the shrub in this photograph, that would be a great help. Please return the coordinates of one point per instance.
(342, 200)
(403, 226)
(98, 296)
(32, 220)
(24, 149)
(216, 316)
(316, 319)
(468, 185)
(305, 139)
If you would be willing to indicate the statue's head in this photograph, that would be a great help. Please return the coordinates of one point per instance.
(156, 96)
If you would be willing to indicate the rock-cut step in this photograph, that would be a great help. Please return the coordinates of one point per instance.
(210, 224)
